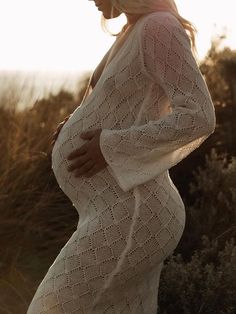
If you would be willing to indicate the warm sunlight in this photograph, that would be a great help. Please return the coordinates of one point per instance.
(66, 35)
(117, 178)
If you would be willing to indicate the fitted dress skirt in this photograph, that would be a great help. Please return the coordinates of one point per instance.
(113, 260)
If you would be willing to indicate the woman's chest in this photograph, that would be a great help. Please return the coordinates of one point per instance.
(120, 82)
(121, 43)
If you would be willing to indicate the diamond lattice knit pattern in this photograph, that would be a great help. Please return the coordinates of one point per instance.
(154, 109)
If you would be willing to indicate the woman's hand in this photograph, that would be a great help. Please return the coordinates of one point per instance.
(58, 129)
(88, 159)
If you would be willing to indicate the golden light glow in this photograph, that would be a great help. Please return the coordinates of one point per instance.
(62, 35)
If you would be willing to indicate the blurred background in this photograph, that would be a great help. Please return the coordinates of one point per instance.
(48, 51)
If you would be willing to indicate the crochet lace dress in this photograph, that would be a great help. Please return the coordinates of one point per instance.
(154, 109)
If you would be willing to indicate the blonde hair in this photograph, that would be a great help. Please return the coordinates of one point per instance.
(141, 7)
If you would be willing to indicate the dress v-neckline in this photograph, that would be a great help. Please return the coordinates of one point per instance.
(116, 55)
(111, 54)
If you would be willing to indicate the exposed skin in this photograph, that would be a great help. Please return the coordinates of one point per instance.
(88, 159)
(105, 7)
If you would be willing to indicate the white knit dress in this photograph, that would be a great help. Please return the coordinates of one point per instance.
(154, 109)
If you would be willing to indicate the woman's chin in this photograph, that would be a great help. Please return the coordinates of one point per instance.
(105, 16)
(108, 16)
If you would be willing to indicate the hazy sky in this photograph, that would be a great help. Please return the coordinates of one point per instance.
(65, 35)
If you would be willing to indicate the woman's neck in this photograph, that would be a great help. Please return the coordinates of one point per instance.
(132, 18)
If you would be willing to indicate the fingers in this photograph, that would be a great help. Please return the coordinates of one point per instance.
(89, 159)
(67, 118)
(78, 152)
(58, 129)
(55, 135)
(88, 135)
(91, 172)
(79, 162)
(87, 167)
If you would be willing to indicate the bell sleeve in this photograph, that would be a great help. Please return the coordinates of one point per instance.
(141, 153)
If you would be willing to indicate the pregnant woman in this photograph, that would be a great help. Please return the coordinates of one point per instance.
(146, 108)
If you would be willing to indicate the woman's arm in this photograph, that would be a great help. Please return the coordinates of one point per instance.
(140, 153)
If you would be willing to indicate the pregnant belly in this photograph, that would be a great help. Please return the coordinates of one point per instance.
(69, 140)
(78, 189)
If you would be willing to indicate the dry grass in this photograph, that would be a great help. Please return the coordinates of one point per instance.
(36, 217)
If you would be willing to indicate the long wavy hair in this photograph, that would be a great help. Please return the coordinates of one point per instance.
(141, 7)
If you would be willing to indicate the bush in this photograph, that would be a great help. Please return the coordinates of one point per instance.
(213, 210)
(206, 284)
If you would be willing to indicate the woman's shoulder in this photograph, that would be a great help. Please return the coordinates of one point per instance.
(162, 25)
(159, 18)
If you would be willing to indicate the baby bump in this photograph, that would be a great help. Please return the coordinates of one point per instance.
(68, 140)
